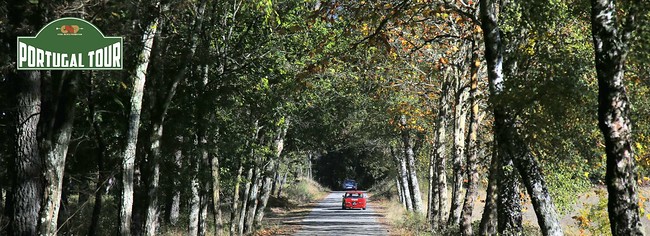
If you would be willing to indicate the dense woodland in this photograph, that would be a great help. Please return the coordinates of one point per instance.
(223, 104)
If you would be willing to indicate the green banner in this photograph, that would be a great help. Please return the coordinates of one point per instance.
(69, 44)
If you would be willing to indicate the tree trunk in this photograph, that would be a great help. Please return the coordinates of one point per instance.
(252, 201)
(247, 193)
(24, 202)
(152, 178)
(270, 170)
(509, 203)
(128, 156)
(513, 152)
(488, 225)
(472, 147)
(441, 155)
(404, 177)
(195, 207)
(216, 189)
(282, 182)
(433, 213)
(203, 217)
(265, 193)
(159, 111)
(460, 115)
(400, 195)
(28, 182)
(534, 181)
(412, 168)
(610, 48)
(175, 205)
(195, 198)
(100, 147)
(56, 130)
(235, 200)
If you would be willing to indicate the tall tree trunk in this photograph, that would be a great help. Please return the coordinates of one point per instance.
(175, 205)
(400, 193)
(247, 193)
(128, 156)
(100, 147)
(460, 115)
(611, 47)
(203, 217)
(508, 203)
(152, 178)
(216, 189)
(28, 183)
(472, 147)
(235, 201)
(56, 130)
(271, 169)
(195, 199)
(530, 172)
(195, 191)
(513, 152)
(433, 213)
(441, 154)
(252, 200)
(403, 174)
(160, 108)
(412, 168)
(24, 18)
(282, 182)
(488, 225)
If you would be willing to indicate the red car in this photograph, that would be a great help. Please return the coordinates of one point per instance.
(354, 200)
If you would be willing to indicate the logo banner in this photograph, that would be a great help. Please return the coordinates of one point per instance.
(69, 44)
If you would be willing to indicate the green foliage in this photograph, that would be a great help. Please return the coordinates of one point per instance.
(564, 181)
(593, 218)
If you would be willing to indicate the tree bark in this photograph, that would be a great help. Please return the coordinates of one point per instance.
(24, 18)
(152, 178)
(404, 177)
(460, 115)
(400, 194)
(271, 169)
(611, 47)
(433, 213)
(100, 147)
(28, 182)
(128, 156)
(513, 152)
(441, 155)
(175, 205)
(235, 202)
(247, 193)
(282, 182)
(412, 168)
(488, 225)
(472, 147)
(56, 130)
(216, 189)
(159, 112)
(195, 199)
(252, 200)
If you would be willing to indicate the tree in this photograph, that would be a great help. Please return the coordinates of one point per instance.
(610, 46)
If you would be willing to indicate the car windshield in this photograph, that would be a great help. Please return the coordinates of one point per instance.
(354, 195)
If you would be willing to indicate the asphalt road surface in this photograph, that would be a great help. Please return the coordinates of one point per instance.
(327, 218)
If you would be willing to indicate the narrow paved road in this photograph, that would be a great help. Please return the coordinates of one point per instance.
(327, 218)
